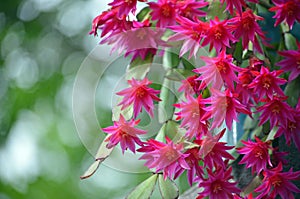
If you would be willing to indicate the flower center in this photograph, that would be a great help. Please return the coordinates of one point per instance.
(170, 155)
(141, 35)
(128, 1)
(290, 8)
(218, 35)
(292, 125)
(222, 66)
(166, 10)
(247, 23)
(140, 92)
(276, 181)
(258, 153)
(276, 109)
(217, 187)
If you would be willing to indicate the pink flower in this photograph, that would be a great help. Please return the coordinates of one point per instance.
(164, 12)
(164, 157)
(191, 32)
(124, 6)
(190, 86)
(218, 70)
(256, 154)
(191, 8)
(291, 62)
(123, 132)
(218, 35)
(245, 77)
(140, 95)
(276, 182)
(231, 4)
(214, 152)
(192, 160)
(224, 105)
(276, 111)
(247, 28)
(267, 83)
(191, 114)
(219, 185)
(291, 130)
(286, 10)
(110, 23)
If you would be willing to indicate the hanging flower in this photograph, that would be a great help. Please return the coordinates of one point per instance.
(140, 95)
(125, 133)
(163, 12)
(256, 154)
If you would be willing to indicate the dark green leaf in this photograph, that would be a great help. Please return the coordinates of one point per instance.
(143, 14)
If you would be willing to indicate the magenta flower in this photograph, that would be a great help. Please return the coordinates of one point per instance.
(140, 95)
(291, 62)
(291, 130)
(124, 6)
(191, 8)
(276, 182)
(110, 23)
(163, 12)
(191, 32)
(218, 35)
(224, 105)
(214, 152)
(190, 86)
(219, 185)
(286, 10)
(231, 4)
(256, 154)
(267, 83)
(192, 160)
(218, 70)
(247, 28)
(276, 111)
(123, 132)
(245, 77)
(191, 114)
(164, 157)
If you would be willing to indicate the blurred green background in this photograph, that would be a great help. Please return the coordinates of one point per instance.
(42, 45)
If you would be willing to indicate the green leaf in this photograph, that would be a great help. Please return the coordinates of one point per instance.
(290, 41)
(168, 189)
(171, 59)
(238, 53)
(179, 74)
(102, 153)
(117, 111)
(139, 68)
(165, 107)
(292, 90)
(144, 190)
(216, 9)
(143, 14)
(161, 136)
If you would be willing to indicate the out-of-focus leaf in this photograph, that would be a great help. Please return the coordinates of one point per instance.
(238, 53)
(102, 153)
(161, 136)
(171, 59)
(216, 9)
(252, 186)
(139, 68)
(165, 107)
(143, 14)
(179, 74)
(292, 90)
(117, 111)
(187, 64)
(168, 189)
(290, 41)
(145, 189)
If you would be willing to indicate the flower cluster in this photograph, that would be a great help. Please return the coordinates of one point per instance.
(238, 77)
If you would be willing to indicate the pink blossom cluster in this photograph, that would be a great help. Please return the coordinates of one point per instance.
(255, 89)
